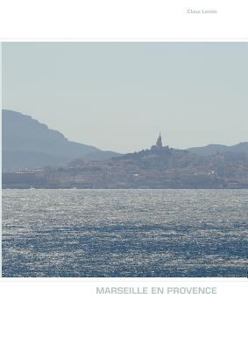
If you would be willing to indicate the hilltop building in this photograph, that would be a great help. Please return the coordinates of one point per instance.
(159, 144)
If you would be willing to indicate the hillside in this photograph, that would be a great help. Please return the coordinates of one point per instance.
(154, 168)
(29, 144)
(213, 149)
(35, 156)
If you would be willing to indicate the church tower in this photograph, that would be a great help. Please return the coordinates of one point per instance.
(159, 143)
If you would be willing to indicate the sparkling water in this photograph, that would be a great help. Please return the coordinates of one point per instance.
(125, 233)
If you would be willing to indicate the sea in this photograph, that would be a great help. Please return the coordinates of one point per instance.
(124, 233)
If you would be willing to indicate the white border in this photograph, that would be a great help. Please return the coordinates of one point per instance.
(67, 314)
(61, 313)
(128, 20)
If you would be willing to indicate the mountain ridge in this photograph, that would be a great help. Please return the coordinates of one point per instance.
(66, 164)
(210, 149)
(152, 168)
(27, 143)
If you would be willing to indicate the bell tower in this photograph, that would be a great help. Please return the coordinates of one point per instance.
(159, 143)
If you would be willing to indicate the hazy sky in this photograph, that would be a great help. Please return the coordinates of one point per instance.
(118, 96)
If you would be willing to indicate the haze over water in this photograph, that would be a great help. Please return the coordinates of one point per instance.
(125, 233)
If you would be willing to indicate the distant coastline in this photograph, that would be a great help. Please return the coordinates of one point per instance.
(37, 157)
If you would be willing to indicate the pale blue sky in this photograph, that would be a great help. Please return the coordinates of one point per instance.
(118, 96)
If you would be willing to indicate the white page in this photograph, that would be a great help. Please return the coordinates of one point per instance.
(190, 312)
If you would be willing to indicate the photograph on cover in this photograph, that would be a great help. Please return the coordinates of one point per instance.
(125, 159)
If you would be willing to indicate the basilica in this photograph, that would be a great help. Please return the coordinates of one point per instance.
(159, 144)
